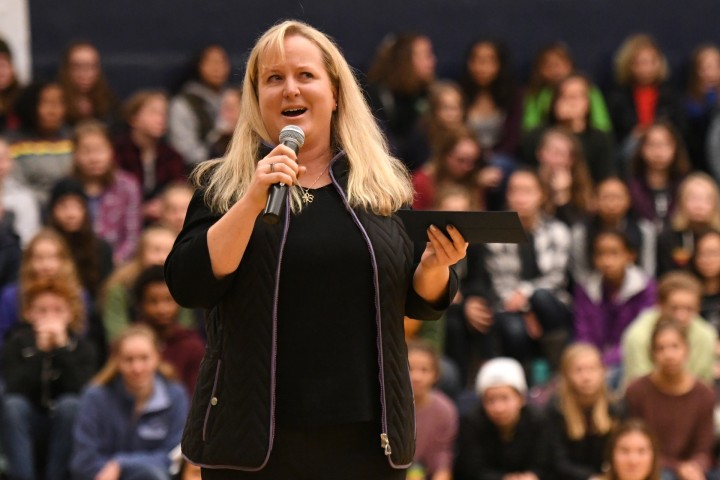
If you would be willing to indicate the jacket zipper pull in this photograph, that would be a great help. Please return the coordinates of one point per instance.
(385, 443)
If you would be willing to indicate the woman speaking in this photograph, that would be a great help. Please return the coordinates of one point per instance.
(305, 375)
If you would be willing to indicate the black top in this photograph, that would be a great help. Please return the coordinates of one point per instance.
(326, 373)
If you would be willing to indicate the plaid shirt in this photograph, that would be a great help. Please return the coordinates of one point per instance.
(552, 252)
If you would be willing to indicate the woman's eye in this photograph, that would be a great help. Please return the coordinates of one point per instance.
(307, 75)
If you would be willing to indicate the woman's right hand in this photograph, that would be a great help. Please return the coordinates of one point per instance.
(279, 166)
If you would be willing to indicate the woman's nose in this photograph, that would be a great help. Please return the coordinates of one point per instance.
(291, 88)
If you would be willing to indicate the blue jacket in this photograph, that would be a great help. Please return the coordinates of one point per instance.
(106, 428)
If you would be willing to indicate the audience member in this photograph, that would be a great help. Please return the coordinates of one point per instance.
(570, 108)
(46, 363)
(530, 279)
(632, 453)
(494, 104)
(611, 298)
(144, 153)
(20, 207)
(705, 264)
(552, 64)
(701, 101)
(41, 147)
(398, 80)
(182, 348)
(658, 166)
(9, 88)
(502, 437)
(132, 416)
(226, 120)
(581, 415)
(175, 199)
(612, 211)
(87, 93)
(697, 209)
(679, 296)
(114, 196)
(192, 114)
(10, 253)
(436, 415)
(676, 406)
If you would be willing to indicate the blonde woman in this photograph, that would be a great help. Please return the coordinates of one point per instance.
(581, 416)
(306, 350)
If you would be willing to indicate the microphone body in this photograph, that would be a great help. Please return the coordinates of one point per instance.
(293, 137)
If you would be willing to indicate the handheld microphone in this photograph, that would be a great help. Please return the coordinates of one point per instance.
(291, 136)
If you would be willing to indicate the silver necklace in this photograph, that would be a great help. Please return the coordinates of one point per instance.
(306, 196)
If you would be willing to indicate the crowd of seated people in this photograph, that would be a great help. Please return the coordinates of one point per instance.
(591, 351)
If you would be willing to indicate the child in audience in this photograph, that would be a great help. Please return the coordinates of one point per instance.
(46, 363)
(679, 296)
(612, 202)
(9, 87)
(611, 298)
(632, 453)
(20, 207)
(676, 406)
(144, 153)
(226, 120)
(701, 101)
(658, 166)
(581, 416)
(436, 415)
(86, 89)
(132, 416)
(175, 201)
(706, 266)
(502, 437)
(114, 196)
(46, 257)
(698, 209)
(530, 279)
(182, 348)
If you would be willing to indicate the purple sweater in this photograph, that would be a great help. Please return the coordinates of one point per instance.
(601, 319)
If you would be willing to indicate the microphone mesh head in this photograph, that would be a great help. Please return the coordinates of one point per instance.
(294, 134)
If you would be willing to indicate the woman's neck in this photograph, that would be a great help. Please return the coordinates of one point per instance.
(142, 140)
(93, 186)
(657, 179)
(711, 285)
(670, 384)
(529, 222)
(422, 398)
(141, 395)
(576, 125)
(315, 159)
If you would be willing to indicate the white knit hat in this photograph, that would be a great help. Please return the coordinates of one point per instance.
(499, 372)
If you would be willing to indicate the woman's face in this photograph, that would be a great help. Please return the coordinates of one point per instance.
(586, 375)
(707, 256)
(156, 248)
(658, 150)
(297, 90)
(708, 68)
(612, 257)
(573, 101)
(463, 158)
(138, 361)
(151, 119)
(483, 64)
(524, 194)
(632, 457)
(51, 109)
(670, 352)
(450, 108)
(555, 152)
(423, 59)
(45, 259)
(214, 67)
(613, 201)
(7, 73)
(93, 155)
(84, 68)
(69, 213)
(645, 67)
(699, 201)
(554, 67)
(423, 374)
(503, 405)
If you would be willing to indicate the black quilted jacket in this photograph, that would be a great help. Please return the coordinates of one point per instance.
(232, 423)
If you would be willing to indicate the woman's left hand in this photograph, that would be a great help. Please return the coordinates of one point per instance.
(441, 252)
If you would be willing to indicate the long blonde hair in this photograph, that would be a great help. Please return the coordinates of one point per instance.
(378, 182)
(601, 422)
(111, 369)
(680, 220)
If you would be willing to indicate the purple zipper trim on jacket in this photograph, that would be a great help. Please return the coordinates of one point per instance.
(378, 317)
(212, 395)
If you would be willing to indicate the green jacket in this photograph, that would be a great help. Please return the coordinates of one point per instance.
(536, 107)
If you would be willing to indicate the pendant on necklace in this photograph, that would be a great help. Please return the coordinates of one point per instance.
(307, 197)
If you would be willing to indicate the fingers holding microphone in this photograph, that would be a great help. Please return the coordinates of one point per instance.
(278, 167)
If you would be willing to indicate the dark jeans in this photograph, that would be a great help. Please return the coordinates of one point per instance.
(464, 345)
(26, 426)
(555, 319)
(348, 452)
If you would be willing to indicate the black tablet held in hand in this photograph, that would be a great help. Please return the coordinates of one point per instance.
(476, 227)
